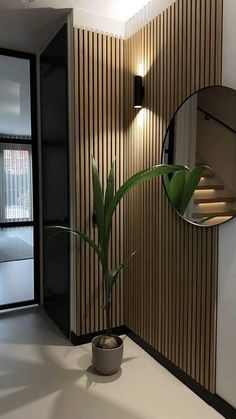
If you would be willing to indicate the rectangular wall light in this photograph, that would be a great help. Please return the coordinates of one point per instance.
(138, 92)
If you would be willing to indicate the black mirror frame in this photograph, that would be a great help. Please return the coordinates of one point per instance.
(163, 155)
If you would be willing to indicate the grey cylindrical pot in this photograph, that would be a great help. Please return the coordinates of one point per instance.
(107, 361)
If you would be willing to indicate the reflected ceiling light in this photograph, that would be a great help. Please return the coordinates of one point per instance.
(204, 190)
(27, 1)
(212, 203)
(138, 92)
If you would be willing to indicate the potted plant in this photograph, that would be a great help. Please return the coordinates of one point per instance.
(107, 350)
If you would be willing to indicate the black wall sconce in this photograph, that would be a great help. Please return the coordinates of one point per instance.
(138, 92)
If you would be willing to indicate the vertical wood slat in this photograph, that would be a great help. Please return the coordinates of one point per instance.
(77, 133)
(99, 132)
(96, 153)
(172, 301)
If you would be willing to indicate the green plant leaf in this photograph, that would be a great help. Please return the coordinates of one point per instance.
(192, 180)
(98, 202)
(176, 188)
(166, 181)
(82, 236)
(140, 177)
(110, 186)
(113, 274)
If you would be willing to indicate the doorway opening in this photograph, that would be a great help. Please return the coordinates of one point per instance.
(19, 247)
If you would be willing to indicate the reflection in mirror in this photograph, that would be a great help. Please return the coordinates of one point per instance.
(202, 136)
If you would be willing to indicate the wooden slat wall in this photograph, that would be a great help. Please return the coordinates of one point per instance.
(99, 132)
(170, 286)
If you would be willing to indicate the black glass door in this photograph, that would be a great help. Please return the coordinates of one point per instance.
(55, 179)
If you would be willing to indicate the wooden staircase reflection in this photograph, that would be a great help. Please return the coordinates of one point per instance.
(211, 197)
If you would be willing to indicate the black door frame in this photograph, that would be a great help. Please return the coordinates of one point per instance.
(35, 174)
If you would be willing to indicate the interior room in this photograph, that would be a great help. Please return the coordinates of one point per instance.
(117, 209)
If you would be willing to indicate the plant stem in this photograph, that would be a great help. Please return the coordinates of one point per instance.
(107, 299)
(108, 317)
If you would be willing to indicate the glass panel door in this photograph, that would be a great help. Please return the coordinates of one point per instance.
(18, 209)
(15, 103)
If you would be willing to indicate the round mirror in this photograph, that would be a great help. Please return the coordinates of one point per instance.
(202, 136)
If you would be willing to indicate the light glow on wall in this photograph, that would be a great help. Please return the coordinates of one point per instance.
(141, 118)
(141, 70)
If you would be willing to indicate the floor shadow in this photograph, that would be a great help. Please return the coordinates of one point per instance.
(32, 380)
(94, 376)
(77, 403)
(23, 381)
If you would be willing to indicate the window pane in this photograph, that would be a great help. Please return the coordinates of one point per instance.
(17, 202)
(15, 115)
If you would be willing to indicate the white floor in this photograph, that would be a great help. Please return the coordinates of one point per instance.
(43, 377)
(17, 277)
(16, 281)
(24, 233)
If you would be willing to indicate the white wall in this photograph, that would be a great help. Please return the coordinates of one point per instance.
(120, 10)
(185, 132)
(229, 44)
(151, 10)
(226, 330)
(115, 24)
(91, 21)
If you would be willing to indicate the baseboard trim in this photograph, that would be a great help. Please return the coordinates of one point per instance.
(83, 339)
(213, 400)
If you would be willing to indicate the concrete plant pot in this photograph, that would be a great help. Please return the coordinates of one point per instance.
(107, 361)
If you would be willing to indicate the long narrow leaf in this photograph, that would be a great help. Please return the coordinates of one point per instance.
(140, 177)
(192, 181)
(110, 186)
(98, 202)
(113, 274)
(177, 185)
(82, 236)
(166, 182)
